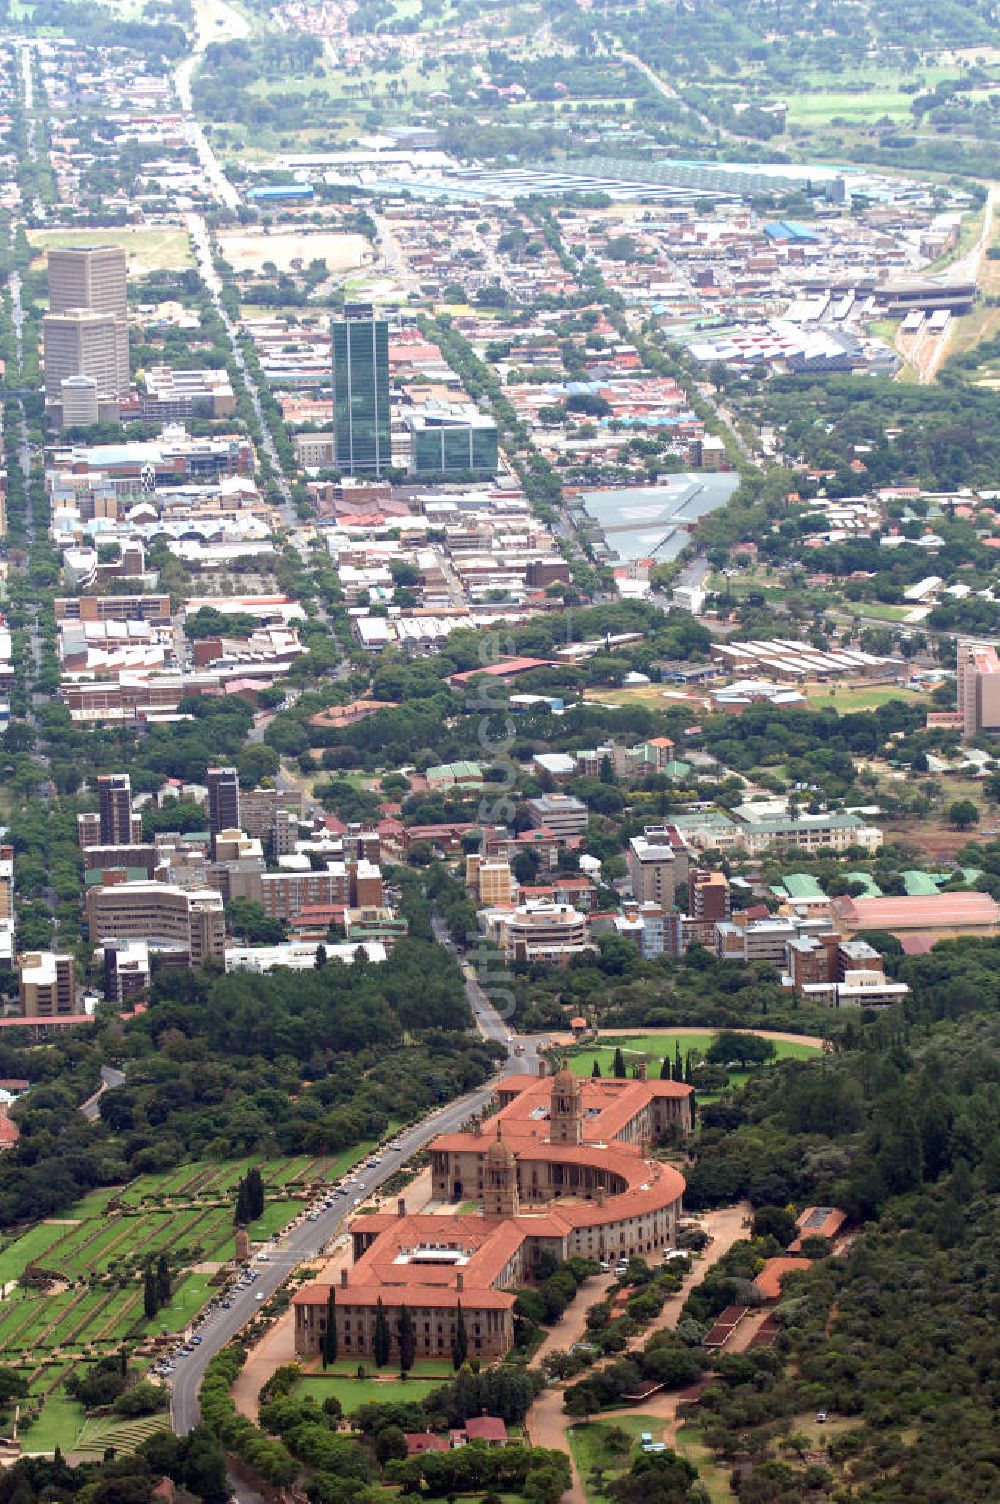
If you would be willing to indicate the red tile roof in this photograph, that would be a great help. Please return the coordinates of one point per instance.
(769, 1279)
(486, 1428)
(419, 1442)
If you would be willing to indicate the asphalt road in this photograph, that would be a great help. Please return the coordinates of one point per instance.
(109, 1078)
(308, 1239)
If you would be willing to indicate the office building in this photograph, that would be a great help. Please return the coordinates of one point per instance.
(172, 395)
(81, 343)
(463, 441)
(361, 418)
(47, 984)
(93, 278)
(567, 1173)
(187, 925)
(978, 675)
(80, 402)
(118, 826)
(88, 277)
(223, 803)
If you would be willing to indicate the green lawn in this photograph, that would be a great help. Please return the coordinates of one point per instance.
(820, 106)
(276, 1214)
(848, 699)
(657, 1047)
(58, 1426)
(353, 1393)
(31, 1245)
(187, 1300)
(589, 1443)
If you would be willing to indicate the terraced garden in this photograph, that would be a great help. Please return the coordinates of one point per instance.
(83, 1297)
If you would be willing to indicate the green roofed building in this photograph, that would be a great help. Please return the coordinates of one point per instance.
(450, 775)
(802, 885)
(872, 889)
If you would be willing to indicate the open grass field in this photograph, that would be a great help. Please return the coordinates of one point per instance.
(642, 694)
(247, 251)
(146, 250)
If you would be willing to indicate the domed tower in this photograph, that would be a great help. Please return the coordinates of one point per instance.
(566, 1110)
(500, 1198)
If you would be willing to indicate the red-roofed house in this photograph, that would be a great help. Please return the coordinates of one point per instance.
(419, 1442)
(488, 1428)
(9, 1131)
(817, 1222)
(769, 1279)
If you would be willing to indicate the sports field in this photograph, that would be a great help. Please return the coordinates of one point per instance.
(847, 697)
(147, 250)
(820, 106)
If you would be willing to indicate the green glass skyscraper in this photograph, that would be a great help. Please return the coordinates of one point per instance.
(361, 419)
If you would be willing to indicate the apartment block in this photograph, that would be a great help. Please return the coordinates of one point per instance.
(539, 932)
(223, 803)
(46, 984)
(657, 865)
(978, 686)
(118, 826)
(562, 814)
(708, 895)
(357, 884)
(125, 964)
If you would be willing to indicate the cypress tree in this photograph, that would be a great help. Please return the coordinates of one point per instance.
(162, 1281)
(665, 1068)
(256, 1194)
(460, 1340)
(320, 956)
(381, 1340)
(619, 1065)
(329, 1345)
(678, 1062)
(596, 1072)
(407, 1341)
(149, 1302)
(688, 1072)
(240, 1216)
